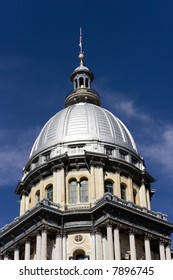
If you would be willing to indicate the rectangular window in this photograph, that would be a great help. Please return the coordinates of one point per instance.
(109, 151)
(84, 191)
(123, 155)
(73, 192)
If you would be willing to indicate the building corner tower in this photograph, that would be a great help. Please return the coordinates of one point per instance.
(85, 192)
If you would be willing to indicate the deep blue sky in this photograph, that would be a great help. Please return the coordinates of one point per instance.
(128, 45)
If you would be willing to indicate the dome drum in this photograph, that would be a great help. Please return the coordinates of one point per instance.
(82, 95)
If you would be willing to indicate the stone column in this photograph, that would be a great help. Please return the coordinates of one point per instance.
(6, 257)
(117, 243)
(168, 252)
(132, 244)
(98, 245)
(78, 192)
(110, 241)
(147, 247)
(27, 249)
(64, 246)
(58, 247)
(16, 253)
(38, 246)
(99, 180)
(142, 195)
(44, 244)
(129, 189)
(93, 245)
(148, 200)
(92, 184)
(105, 248)
(162, 250)
(118, 183)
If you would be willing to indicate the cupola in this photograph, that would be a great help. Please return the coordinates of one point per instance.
(82, 78)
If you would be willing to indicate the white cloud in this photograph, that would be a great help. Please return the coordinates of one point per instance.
(122, 105)
(154, 136)
(14, 152)
(160, 149)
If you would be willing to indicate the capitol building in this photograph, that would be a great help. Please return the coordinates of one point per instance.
(85, 193)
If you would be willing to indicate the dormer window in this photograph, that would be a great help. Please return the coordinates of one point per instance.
(123, 155)
(109, 151)
(47, 156)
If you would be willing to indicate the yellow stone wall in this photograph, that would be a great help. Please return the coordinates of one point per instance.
(96, 178)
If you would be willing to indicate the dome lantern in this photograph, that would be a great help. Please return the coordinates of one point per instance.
(82, 78)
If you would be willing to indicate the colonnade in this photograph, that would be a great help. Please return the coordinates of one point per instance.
(109, 248)
(105, 246)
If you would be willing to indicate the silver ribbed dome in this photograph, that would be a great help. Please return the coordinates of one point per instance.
(83, 123)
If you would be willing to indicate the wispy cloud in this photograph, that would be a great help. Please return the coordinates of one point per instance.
(14, 152)
(154, 136)
(160, 149)
(123, 105)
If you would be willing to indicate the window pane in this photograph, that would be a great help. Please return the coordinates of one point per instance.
(109, 187)
(73, 192)
(84, 191)
(50, 193)
(37, 197)
(123, 192)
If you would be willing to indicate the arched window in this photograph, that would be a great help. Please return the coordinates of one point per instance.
(134, 196)
(123, 191)
(108, 186)
(79, 255)
(49, 192)
(37, 197)
(73, 191)
(84, 190)
(81, 82)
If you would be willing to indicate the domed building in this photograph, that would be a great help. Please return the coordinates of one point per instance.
(85, 192)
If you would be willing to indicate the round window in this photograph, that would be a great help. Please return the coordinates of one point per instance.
(78, 238)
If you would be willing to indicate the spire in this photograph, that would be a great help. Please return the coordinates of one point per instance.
(82, 78)
(81, 53)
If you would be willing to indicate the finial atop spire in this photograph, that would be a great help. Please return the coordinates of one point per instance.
(81, 53)
(80, 40)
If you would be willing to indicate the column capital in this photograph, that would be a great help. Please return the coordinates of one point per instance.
(147, 236)
(132, 230)
(27, 240)
(58, 232)
(64, 233)
(16, 247)
(44, 228)
(97, 230)
(109, 222)
(117, 225)
(162, 241)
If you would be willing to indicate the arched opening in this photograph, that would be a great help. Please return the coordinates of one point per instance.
(49, 192)
(37, 197)
(73, 191)
(123, 191)
(84, 190)
(108, 186)
(79, 255)
(81, 82)
(134, 196)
